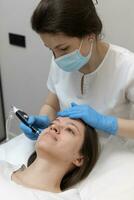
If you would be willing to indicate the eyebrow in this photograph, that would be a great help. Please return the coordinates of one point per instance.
(69, 123)
(59, 45)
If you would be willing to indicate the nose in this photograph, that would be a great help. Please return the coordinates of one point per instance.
(54, 54)
(55, 129)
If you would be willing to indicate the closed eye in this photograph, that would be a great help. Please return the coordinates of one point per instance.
(64, 49)
(70, 130)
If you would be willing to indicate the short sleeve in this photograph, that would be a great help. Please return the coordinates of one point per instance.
(52, 77)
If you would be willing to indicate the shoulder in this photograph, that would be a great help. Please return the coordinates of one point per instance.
(122, 53)
(123, 60)
(120, 60)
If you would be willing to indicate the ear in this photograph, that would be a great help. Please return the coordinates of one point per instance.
(78, 161)
(91, 36)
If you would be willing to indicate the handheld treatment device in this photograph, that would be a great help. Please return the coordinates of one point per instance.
(24, 118)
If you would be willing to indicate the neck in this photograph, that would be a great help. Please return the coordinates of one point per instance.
(42, 175)
(98, 53)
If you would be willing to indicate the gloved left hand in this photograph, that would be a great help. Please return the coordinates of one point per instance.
(91, 117)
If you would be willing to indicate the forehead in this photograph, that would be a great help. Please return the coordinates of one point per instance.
(65, 120)
(52, 40)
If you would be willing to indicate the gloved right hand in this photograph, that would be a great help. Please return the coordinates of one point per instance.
(39, 122)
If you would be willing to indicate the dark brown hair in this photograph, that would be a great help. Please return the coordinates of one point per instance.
(90, 151)
(76, 18)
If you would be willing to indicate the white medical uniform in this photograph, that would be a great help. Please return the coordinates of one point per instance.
(10, 190)
(109, 89)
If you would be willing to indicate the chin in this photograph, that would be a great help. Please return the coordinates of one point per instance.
(44, 143)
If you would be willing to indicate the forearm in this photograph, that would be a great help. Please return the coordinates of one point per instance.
(48, 110)
(51, 106)
(126, 128)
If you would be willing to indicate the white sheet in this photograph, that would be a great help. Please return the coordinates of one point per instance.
(17, 150)
(111, 179)
(19, 192)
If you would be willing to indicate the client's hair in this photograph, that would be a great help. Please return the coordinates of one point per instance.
(90, 151)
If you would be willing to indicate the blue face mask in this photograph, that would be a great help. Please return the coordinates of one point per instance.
(73, 61)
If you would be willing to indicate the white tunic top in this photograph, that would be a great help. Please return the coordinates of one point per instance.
(109, 89)
(10, 190)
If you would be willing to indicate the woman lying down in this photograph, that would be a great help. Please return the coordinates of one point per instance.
(65, 154)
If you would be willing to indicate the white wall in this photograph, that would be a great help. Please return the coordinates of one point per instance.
(118, 20)
(24, 71)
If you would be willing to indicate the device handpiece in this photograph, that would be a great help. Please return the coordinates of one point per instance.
(24, 118)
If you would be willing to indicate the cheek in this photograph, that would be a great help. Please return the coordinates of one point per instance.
(69, 147)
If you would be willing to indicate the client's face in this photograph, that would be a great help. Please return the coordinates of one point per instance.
(62, 141)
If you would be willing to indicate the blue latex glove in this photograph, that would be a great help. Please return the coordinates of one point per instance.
(40, 122)
(91, 117)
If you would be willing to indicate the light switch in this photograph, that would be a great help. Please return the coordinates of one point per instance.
(17, 40)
